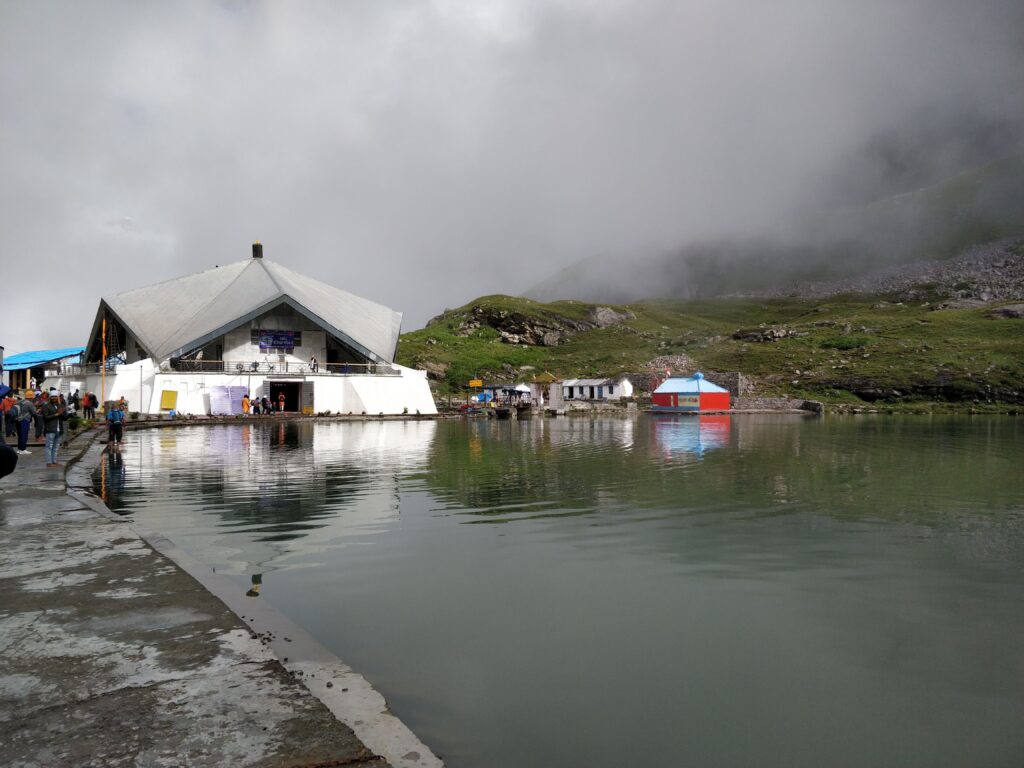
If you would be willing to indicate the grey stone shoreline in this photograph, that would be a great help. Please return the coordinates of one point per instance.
(117, 648)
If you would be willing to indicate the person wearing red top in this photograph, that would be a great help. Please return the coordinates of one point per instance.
(280, 402)
(8, 427)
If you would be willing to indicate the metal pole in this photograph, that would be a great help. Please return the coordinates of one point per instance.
(103, 367)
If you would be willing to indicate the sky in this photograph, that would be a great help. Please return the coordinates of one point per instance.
(422, 153)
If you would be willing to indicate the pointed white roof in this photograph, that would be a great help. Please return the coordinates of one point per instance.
(178, 315)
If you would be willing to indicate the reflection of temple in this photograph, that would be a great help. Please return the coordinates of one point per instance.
(287, 489)
(679, 437)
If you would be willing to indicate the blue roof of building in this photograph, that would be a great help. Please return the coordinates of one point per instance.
(689, 385)
(39, 357)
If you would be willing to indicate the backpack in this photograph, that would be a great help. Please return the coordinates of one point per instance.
(15, 413)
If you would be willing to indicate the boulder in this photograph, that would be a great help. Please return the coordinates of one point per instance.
(603, 317)
(1010, 310)
(435, 371)
(762, 335)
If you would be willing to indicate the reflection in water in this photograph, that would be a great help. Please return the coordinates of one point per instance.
(112, 475)
(766, 590)
(256, 583)
(255, 495)
(683, 436)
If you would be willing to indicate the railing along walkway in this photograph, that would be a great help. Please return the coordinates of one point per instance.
(252, 367)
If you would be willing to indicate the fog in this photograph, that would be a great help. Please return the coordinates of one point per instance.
(424, 153)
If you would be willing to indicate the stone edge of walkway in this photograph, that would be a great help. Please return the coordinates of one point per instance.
(346, 693)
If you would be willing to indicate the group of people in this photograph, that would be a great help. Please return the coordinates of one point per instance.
(47, 412)
(262, 405)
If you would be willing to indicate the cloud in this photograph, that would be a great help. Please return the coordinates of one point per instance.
(423, 153)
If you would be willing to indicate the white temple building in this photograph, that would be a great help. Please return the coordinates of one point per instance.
(197, 344)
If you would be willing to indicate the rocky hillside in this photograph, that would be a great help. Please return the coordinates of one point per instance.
(955, 339)
(982, 273)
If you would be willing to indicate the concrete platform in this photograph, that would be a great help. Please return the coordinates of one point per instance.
(111, 654)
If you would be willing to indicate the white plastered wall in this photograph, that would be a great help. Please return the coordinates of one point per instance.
(356, 394)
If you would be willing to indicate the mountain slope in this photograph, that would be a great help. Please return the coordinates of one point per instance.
(902, 347)
(935, 222)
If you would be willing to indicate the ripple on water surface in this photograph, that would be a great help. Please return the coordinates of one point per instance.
(723, 591)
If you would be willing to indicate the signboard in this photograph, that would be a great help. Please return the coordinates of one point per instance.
(269, 340)
(168, 400)
(691, 402)
(476, 382)
(226, 401)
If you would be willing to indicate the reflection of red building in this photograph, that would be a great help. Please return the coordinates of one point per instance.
(689, 395)
(683, 437)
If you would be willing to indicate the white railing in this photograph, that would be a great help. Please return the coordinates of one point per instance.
(252, 367)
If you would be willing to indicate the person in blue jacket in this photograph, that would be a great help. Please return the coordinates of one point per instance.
(115, 425)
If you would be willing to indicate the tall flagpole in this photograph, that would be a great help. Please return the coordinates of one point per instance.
(103, 369)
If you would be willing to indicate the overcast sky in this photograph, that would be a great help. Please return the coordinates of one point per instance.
(424, 153)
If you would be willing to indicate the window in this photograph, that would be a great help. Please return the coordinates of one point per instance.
(611, 389)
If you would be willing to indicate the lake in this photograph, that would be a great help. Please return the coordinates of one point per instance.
(716, 591)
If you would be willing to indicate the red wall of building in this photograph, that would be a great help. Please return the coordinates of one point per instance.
(714, 401)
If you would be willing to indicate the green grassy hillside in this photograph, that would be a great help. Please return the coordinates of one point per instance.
(852, 349)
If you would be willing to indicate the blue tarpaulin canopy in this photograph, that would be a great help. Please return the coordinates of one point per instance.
(39, 358)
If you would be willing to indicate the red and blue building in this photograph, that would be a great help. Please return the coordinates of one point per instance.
(692, 394)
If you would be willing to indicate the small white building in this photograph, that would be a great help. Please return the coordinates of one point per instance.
(198, 343)
(597, 389)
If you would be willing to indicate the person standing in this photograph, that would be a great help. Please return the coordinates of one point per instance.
(6, 422)
(280, 402)
(65, 412)
(89, 403)
(25, 415)
(245, 404)
(52, 411)
(40, 401)
(313, 365)
(115, 426)
(265, 405)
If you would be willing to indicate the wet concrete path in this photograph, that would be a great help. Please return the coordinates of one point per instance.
(111, 654)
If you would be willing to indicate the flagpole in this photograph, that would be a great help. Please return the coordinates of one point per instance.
(103, 369)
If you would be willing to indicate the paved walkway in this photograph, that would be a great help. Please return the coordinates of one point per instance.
(111, 654)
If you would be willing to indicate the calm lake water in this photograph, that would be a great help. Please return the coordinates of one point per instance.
(753, 591)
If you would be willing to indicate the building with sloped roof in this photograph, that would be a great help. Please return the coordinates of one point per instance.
(37, 364)
(195, 344)
(690, 394)
(615, 388)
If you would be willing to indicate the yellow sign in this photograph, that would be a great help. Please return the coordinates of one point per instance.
(307, 410)
(168, 400)
(476, 382)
